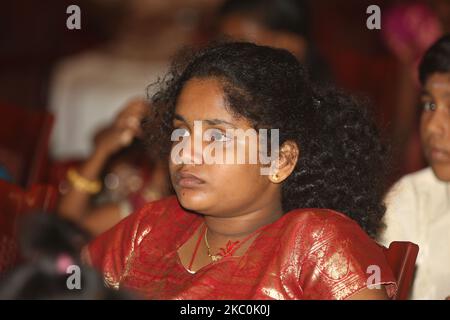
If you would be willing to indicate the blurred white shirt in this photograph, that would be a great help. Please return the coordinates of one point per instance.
(87, 92)
(418, 210)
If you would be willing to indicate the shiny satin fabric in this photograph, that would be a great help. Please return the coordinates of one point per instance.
(306, 254)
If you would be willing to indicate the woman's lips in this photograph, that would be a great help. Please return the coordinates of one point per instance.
(188, 180)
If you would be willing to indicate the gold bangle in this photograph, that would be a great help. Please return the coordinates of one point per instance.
(81, 183)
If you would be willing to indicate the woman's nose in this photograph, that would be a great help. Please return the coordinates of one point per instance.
(192, 151)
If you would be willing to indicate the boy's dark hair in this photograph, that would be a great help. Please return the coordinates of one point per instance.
(436, 59)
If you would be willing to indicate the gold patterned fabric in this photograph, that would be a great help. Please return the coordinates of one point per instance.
(306, 254)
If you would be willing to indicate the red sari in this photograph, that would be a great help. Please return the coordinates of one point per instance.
(306, 254)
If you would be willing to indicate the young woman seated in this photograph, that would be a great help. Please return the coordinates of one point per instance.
(302, 231)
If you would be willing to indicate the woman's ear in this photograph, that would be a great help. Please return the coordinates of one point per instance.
(287, 159)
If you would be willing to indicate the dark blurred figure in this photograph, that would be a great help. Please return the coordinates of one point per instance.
(442, 9)
(88, 89)
(50, 249)
(277, 23)
(409, 29)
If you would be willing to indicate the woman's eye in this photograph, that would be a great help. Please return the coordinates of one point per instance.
(429, 106)
(182, 132)
(217, 136)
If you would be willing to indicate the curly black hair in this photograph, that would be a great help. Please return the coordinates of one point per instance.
(342, 160)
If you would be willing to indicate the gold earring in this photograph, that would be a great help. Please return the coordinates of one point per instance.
(275, 177)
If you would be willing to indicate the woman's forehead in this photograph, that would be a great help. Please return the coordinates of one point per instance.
(203, 99)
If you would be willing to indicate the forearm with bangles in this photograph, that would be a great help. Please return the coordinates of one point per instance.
(75, 203)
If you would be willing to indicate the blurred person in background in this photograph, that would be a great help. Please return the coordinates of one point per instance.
(281, 24)
(50, 248)
(117, 178)
(90, 88)
(418, 205)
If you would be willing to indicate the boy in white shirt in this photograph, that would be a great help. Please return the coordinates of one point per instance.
(418, 206)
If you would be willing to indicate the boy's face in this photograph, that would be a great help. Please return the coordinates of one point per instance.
(435, 124)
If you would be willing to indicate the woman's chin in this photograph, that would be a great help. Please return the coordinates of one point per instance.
(193, 199)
